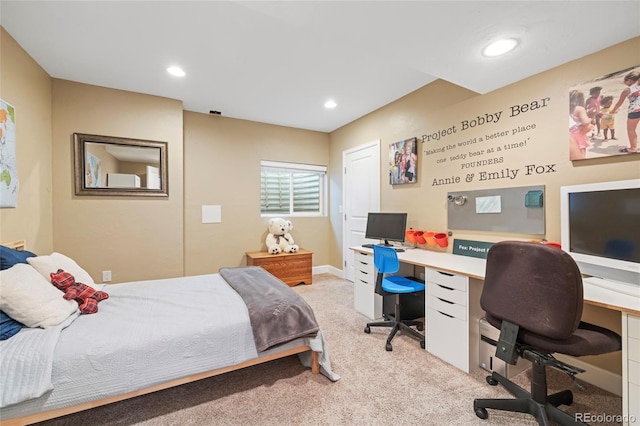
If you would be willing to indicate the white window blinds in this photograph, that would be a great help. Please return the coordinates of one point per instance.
(291, 189)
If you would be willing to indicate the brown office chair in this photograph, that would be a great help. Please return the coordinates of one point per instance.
(533, 294)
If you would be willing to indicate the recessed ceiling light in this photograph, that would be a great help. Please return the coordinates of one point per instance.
(330, 104)
(177, 71)
(500, 47)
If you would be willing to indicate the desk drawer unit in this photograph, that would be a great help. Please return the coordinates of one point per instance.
(447, 279)
(449, 294)
(633, 368)
(366, 301)
(447, 317)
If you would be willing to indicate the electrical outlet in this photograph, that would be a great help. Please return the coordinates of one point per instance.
(106, 276)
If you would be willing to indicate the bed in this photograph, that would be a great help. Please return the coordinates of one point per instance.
(152, 335)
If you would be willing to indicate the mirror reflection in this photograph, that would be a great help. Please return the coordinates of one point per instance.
(117, 166)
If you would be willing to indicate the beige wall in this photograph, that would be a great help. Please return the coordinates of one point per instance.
(134, 237)
(440, 105)
(25, 85)
(214, 160)
(397, 121)
(222, 157)
(419, 113)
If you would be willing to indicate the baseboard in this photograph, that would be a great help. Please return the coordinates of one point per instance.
(327, 269)
(611, 382)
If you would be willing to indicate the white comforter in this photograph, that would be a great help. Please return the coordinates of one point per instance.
(26, 361)
(146, 333)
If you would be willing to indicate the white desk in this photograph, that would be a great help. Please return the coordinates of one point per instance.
(615, 296)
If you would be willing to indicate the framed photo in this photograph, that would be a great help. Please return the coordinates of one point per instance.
(403, 162)
(603, 120)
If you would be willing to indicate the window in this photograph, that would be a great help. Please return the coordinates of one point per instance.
(292, 189)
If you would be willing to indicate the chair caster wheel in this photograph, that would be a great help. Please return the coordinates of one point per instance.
(482, 413)
(367, 330)
(389, 347)
(422, 345)
(420, 327)
(492, 381)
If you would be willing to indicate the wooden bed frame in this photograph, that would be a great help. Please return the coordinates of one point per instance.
(46, 415)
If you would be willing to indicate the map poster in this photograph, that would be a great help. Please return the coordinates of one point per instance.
(8, 165)
(93, 172)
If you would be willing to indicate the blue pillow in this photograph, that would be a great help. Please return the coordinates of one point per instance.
(9, 257)
(8, 326)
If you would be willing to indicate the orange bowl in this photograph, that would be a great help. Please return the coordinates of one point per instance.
(430, 239)
(441, 239)
(420, 237)
(410, 235)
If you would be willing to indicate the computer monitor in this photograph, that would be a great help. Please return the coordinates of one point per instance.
(386, 227)
(600, 228)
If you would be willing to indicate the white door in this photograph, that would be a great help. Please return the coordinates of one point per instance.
(361, 195)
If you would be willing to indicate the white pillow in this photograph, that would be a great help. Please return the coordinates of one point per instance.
(48, 264)
(27, 297)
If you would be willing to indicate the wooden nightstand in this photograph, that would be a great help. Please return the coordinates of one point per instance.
(292, 268)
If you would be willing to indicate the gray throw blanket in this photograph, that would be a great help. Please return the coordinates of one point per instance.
(277, 313)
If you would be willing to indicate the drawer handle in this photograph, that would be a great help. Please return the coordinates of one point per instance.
(445, 301)
(445, 273)
(446, 315)
(364, 272)
(445, 287)
(364, 282)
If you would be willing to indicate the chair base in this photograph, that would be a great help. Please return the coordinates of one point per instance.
(402, 325)
(543, 407)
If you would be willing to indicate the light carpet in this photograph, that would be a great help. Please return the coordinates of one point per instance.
(407, 386)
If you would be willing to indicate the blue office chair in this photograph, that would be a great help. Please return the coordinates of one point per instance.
(386, 261)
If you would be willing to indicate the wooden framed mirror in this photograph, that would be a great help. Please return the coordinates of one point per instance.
(112, 166)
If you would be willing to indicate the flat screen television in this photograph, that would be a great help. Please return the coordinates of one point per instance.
(386, 227)
(600, 228)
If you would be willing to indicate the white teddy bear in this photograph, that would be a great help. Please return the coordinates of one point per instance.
(279, 240)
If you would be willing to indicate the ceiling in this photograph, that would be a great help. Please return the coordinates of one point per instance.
(278, 61)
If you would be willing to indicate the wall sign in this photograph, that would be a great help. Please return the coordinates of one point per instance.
(471, 248)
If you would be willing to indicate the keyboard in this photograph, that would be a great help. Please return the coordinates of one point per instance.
(398, 250)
